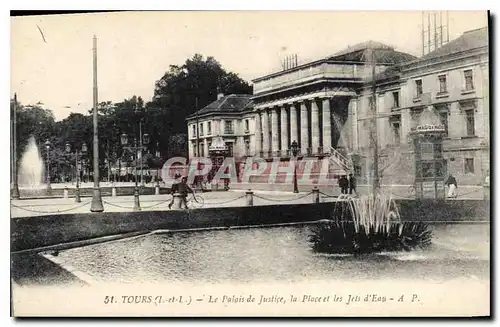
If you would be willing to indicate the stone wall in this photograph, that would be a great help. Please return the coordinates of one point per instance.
(34, 232)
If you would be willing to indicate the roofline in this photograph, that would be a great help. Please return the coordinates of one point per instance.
(425, 62)
(218, 113)
(323, 60)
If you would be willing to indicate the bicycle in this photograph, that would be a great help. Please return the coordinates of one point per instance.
(195, 201)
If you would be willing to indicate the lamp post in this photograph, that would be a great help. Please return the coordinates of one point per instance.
(134, 148)
(77, 167)
(47, 147)
(15, 186)
(294, 147)
(96, 204)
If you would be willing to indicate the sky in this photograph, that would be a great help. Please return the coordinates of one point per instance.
(51, 56)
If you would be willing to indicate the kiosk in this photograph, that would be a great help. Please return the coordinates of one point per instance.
(430, 167)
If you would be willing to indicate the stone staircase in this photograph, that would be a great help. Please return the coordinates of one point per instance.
(338, 162)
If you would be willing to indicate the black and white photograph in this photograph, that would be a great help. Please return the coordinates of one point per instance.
(250, 163)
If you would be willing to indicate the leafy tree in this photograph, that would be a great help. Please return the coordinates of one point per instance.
(184, 89)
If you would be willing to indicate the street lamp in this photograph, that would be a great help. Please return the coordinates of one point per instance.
(77, 167)
(134, 148)
(294, 147)
(47, 146)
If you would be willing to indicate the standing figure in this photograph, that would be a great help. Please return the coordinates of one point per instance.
(451, 182)
(487, 186)
(343, 184)
(352, 184)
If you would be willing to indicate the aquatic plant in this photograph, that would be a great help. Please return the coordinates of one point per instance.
(371, 224)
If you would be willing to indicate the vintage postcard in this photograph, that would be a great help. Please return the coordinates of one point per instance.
(250, 163)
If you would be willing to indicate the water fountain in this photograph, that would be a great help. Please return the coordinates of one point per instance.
(370, 224)
(31, 169)
(367, 223)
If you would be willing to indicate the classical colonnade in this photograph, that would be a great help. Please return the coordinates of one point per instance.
(314, 135)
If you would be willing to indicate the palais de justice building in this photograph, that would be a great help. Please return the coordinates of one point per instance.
(325, 106)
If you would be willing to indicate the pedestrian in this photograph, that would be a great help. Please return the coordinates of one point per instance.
(451, 182)
(352, 184)
(183, 189)
(343, 184)
(487, 186)
(173, 190)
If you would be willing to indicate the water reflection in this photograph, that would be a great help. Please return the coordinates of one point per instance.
(276, 254)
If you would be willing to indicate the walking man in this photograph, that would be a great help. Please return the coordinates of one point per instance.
(451, 182)
(183, 189)
(352, 184)
(343, 184)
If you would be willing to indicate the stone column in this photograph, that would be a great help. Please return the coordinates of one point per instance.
(275, 137)
(265, 131)
(327, 126)
(284, 131)
(294, 134)
(405, 125)
(304, 125)
(314, 126)
(205, 148)
(258, 134)
(353, 103)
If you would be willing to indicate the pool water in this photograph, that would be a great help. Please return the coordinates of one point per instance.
(277, 254)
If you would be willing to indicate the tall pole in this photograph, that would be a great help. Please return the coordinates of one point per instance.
(140, 149)
(435, 32)
(15, 186)
(197, 129)
(447, 28)
(77, 191)
(373, 130)
(428, 32)
(96, 205)
(423, 35)
(441, 28)
(48, 169)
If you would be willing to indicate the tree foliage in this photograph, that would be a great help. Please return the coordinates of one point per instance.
(177, 94)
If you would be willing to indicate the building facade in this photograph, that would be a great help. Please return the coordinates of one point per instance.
(453, 80)
(329, 107)
(230, 118)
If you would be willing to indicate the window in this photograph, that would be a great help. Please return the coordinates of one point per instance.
(396, 132)
(202, 150)
(395, 98)
(443, 115)
(469, 165)
(229, 148)
(228, 127)
(469, 82)
(418, 88)
(209, 128)
(427, 169)
(247, 125)
(201, 129)
(427, 148)
(247, 147)
(195, 153)
(441, 168)
(194, 130)
(469, 114)
(442, 84)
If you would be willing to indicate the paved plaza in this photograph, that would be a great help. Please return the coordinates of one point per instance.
(232, 198)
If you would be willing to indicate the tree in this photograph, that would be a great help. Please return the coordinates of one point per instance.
(184, 89)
